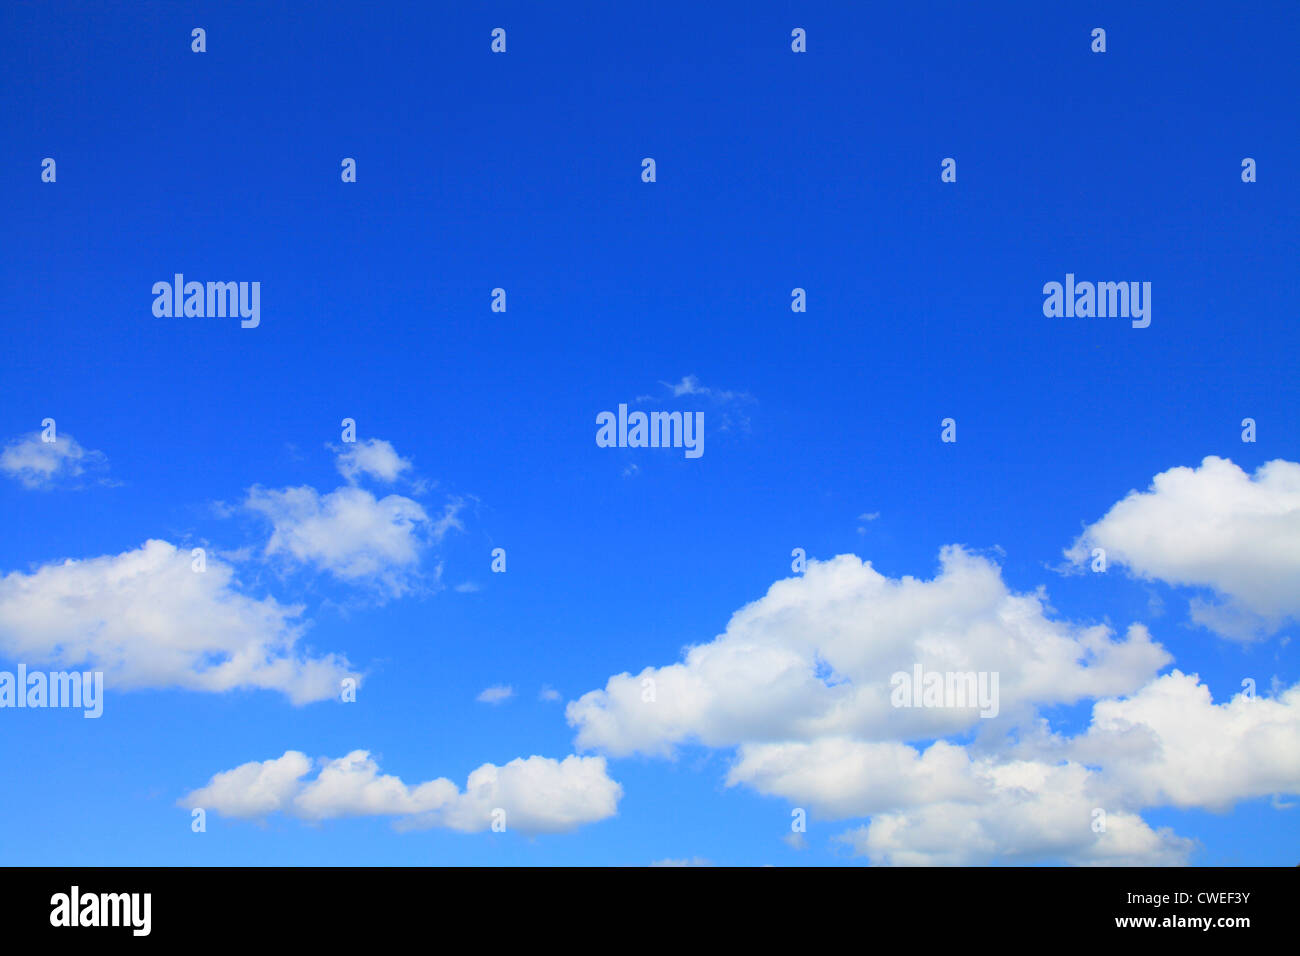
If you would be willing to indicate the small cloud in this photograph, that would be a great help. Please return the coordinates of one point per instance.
(866, 518)
(728, 405)
(496, 694)
(469, 587)
(795, 841)
(373, 457)
(41, 464)
(379, 543)
(347, 533)
(693, 861)
(630, 470)
(538, 794)
(690, 385)
(450, 518)
(548, 693)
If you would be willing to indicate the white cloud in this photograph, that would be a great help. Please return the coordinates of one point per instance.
(690, 385)
(373, 457)
(1171, 745)
(1028, 814)
(799, 685)
(40, 464)
(495, 694)
(347, 532)
(729, 406)
(353, 786)
(549, 694)
(693, 861)
(814, 657)
(1214, 527)
(253, 789)
(943, 807)
(538, 794)
(1166, 745)
(146, 619)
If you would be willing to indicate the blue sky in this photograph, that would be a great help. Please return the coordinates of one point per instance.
(522, 170)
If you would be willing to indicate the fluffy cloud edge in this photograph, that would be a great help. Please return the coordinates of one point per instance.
(1216, 527)
(534, 795)
(149, 618)
(39, 464)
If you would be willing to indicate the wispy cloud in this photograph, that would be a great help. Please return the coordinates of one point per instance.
(41, 464)
(496, 694)
(350, 533)
(728, 404)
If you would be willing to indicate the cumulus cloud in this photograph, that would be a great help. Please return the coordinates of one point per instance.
(349, 532)
(943, 807)
(1166, 745)
(147, 619)
(1171, 745)
(814, 657)
(1213, 527)
(374, 458)
(537, 794)
(799, 685)
(1029, 814)
(253, 789)
(40, 464)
